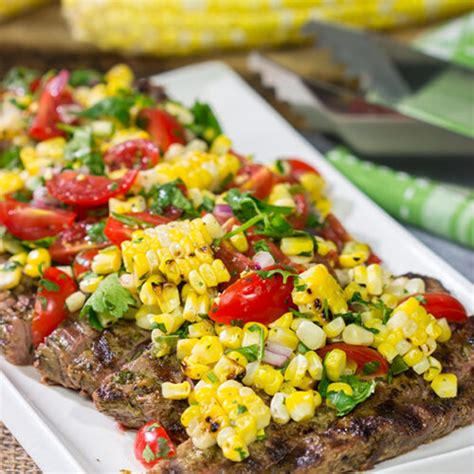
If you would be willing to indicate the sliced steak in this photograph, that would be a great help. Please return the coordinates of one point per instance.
(77, 356)
(399, 417)
(16, 313)
(133, 394)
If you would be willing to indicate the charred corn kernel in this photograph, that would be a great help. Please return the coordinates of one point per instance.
(415, 285)
(311, 335)
(148, 295)
(388, 351)
(413, 357)
(90, 284)
(283, 321)
(246, 427)
(338, 387)
(301, 405)
(353, 254)
(208, 350)
(280, 414)
(268, 379)
(108, 260)
(357, 335)
(184, 347)
(231, 337)
(37, 261)
(319, 285)
(306, 384)
(10, 275)
(422, 366)
(9, 182)
(175, 391)
(212, 226)
(239, 241)
(227, 368)
(238, 357)
(252, 333)
(168, 297)
(313, 183)
(325, 246)
(374, 279)
(201, 438)
(352, 288)
(221, 145)
(335, 363)
(201, 329)
(119, 78)
(285, 337)
(445, 334)
(191, 413)
(281, 196)
(445, 385)
(296, 245)
(296, 370)
(75, 301)
(19, 258)
(315, 365)
(335, 327)
(171, 322)
(193, 369)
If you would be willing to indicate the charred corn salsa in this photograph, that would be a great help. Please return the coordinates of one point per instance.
(125, 204)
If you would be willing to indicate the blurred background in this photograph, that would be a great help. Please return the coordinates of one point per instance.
(360, 96)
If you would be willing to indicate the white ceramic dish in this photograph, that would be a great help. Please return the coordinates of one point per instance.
(64, 433)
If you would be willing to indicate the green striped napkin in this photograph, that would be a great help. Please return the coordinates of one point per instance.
(444, 210)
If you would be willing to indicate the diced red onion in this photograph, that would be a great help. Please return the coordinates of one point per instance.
(222, 212)
(272, 358)
(279, 348)
(68, 112)
(263, 259)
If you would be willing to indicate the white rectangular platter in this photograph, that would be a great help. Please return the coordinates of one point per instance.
(64, 433)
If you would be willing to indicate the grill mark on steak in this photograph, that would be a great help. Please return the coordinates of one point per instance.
(16, 313)
(77, 356)
(133, 394)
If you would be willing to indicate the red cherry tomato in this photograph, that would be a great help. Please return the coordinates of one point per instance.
(71, 241)
(299, 217)
(152, 444)
(257, 179)
(71, 187)
(298, 167)
(83, 262)
(140, 154)
(117, 231)
(50, 309)
(443, 305)
(32, 223)
(334, 230)
(254, 298)
(360, 355)
(233, 260)
(54, 95)
(163, 127)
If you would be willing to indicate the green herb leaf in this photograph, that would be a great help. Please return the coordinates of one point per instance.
(80, 149)
(361, 389)
(131, 221)
(421, 299)
(49, 285)
(108, 303)
(111, 107)
(169, 194)
(10, 159)
(19, 78)
(212, 377)
(299, 314)
(277, 271)
(44, 243)
(207, 205)
(163, 448)
(241, 409)
(85, 77)
(371, 367)
(96, 233)
(205, 124)
(261, 246)
(302, 349)
(148, 454)
(398, 365)
(251, 352)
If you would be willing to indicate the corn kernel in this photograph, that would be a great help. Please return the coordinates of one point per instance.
(192, 369)
(283, 321)
(90, 284)
(315, 365)
(301, 405)
(335, 363)
(357, 335)
(445, 334)
(296, 370)
(335, 327)
(191, 413)
(175, 391)
(445, 385)
(238, 357)
(374, 279)
(413, 357)
(280, 414)
(296, 245)
(75, 301)
(36, 262)
(284, 337)
(107, 261)
(184, 347)
(9, 182)
(10, 275)
(388, 351)
(231, 337)
(201, 329)
(239, 241)
(246, 428)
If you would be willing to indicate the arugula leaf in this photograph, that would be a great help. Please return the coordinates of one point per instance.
(108, 303)
(112, 107)
(251, 352)
(10, 158)
(96, 233)
(362, 389)
(170, 194)
(277, 271)
(79, 148)
(19, 78)
(85, 77)
(205, 124)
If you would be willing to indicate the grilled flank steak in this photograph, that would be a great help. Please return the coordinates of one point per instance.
(399, 417)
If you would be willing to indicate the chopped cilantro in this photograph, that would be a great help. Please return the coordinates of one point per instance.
(111, 107)
(241, 409)
(163, 448)
(108, 304)
(96, 233)
(398, 366)
(207, 204)
(159, 326)
(242, 453)
(23, 195)
(43, 301)
(212, 377)
(85, 77)
(420, 298)
(302, 349)
(299, 314)
(261, 246)
(170, 194)
(277, 271)
(371, 367)
(261, 345)
(205, 124)
(131, 221)
(19, 78)
(45, 242)
(49, 285)
(148, 454)
(280, 167)
(10, 158)
(251, 352)
(80, 149)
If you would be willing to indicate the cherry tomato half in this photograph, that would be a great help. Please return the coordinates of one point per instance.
(152, 444)
(117, 231)
(163, 127)
(257, 179)
(71, 241)
(361, 355)
(50, 309)
(254, 298)
(443, 305)
(298, 168)
(54, 95)
(71, 187)
(335, 231)
(32, 223)
(140, 154)
(83, 262)
(299, 217)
